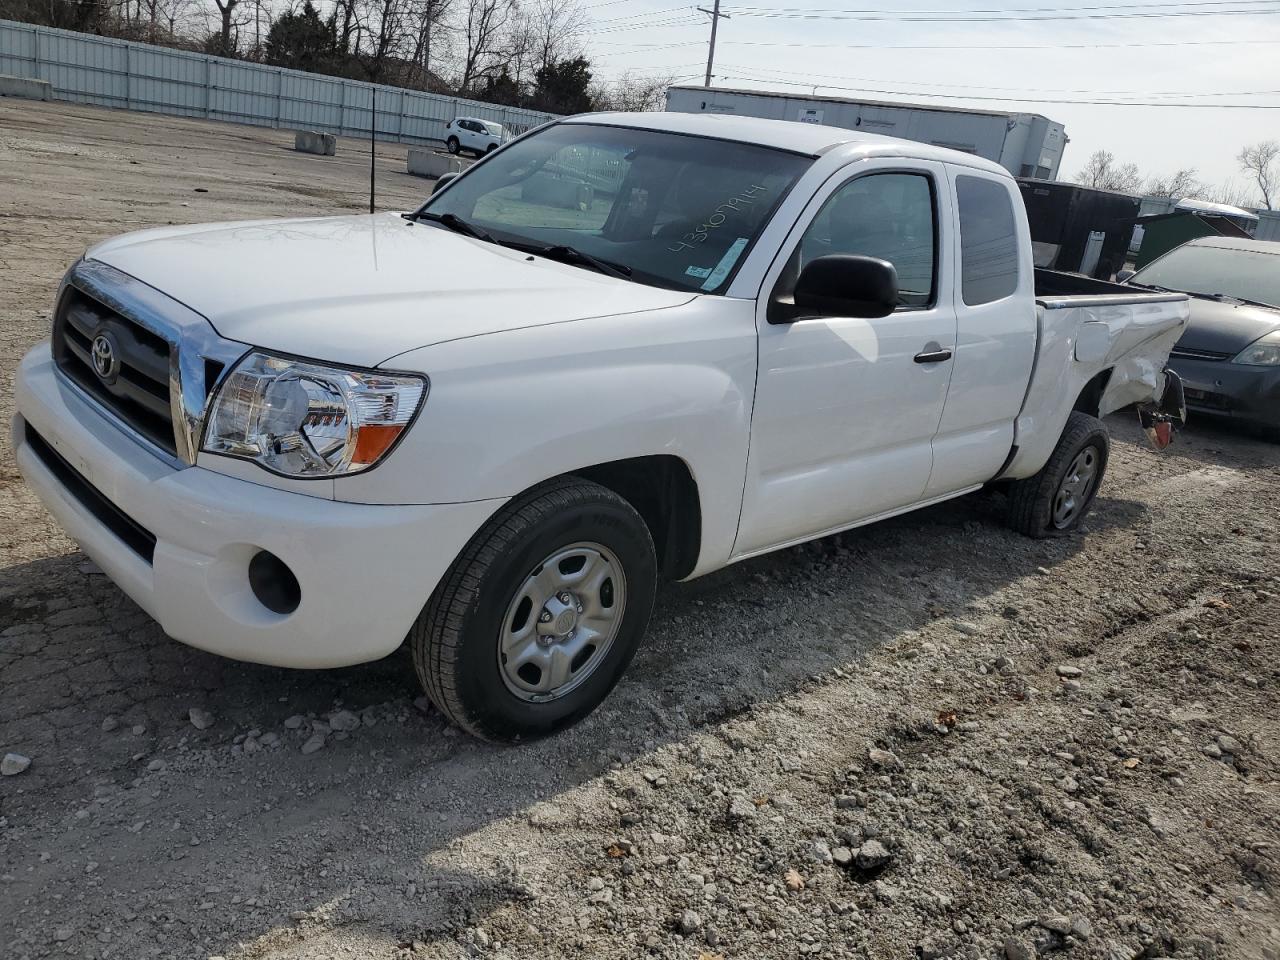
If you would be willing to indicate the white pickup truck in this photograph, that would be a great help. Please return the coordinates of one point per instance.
(621, 348)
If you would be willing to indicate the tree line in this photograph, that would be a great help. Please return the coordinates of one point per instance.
(1259, 162)
(526, 53)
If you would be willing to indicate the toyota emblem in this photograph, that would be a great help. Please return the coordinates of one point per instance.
(105, 363)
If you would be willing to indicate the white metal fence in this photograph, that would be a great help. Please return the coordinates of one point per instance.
(83, 68)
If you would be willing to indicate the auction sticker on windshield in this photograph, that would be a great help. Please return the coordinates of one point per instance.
(726, 264)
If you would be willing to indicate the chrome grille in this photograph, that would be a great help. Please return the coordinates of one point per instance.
(129, 375)
(150, 362)
(1186, 353)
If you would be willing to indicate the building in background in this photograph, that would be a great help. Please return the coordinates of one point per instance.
(1025, 144)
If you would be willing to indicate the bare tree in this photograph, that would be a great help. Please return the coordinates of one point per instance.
(226, 47)
(633, 93)
(1233, 193)
(520, 48)
(557, 27)
(1104, 173)
(385, 22)
(347, 23)
(1259, 160)
(1182, 183)
(482, 29)
(428, 24)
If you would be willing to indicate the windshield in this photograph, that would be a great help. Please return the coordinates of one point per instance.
(677, 211)
(1246, 274)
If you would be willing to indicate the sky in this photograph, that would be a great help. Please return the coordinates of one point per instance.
(1218, 53)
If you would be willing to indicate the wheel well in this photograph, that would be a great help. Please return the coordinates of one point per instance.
(1090, 399)
(664, 493)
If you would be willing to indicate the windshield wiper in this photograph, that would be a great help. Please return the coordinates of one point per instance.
(455, 223)
(574, 256)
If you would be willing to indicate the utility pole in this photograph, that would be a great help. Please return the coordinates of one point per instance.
(716, 16)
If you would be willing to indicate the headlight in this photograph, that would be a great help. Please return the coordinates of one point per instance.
(1263, 352)
(306, 420)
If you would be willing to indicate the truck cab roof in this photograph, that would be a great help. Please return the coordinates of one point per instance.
(811, 139)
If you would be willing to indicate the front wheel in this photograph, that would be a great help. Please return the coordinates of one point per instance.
(453, 145)
(1054, 501)
(538, 618)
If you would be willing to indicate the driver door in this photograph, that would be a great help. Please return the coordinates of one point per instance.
(846, 408)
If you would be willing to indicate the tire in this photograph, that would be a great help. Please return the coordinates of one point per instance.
(458, 639)
(453, 145)
(1051, 504)
(492, 147)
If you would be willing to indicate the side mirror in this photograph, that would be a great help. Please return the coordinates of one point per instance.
(1124, 276)
(844, 285)
(443, 179)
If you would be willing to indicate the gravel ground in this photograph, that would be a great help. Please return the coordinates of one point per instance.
(928, 738)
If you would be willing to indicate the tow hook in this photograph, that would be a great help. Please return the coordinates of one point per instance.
(1158, 420)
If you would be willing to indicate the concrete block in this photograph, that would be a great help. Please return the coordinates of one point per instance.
(321, 144)
(25, 88)
(425, 162)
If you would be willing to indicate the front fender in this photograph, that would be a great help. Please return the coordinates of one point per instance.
(509, 410)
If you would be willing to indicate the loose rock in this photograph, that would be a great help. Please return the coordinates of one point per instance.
(740, 808)
(883, 758)
(690, 922)
(872, 854)
(14, 764)
(200, 718)
(344, 721)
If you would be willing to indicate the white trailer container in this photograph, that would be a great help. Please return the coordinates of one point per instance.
(1025, 144)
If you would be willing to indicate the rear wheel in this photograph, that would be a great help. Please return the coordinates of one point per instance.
(538, 618)
(453, 144)
(1054, 501)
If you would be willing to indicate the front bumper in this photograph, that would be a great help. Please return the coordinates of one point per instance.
(365, 571)
(1236, 390)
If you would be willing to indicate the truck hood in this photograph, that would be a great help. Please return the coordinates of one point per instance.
(361, 290)
(1225, 327)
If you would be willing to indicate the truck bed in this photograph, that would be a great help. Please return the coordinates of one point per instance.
(1091, 330)
(1053, 288)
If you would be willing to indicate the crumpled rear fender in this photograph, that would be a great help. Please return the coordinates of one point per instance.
(1128, 338)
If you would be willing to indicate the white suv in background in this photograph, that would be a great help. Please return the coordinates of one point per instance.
(478, 136)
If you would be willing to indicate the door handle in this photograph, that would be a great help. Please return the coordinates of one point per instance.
(933, 354)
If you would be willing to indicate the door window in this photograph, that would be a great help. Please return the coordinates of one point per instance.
(988, 241)
(884, 215)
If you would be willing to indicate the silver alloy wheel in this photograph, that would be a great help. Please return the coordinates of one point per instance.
(1076, 487)
(561, 622)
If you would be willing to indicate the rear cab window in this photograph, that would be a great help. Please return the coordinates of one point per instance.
(989, 262)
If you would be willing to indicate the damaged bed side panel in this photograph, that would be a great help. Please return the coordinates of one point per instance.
(1081, 338)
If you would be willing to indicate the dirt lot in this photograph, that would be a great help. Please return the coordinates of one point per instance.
(929, 738)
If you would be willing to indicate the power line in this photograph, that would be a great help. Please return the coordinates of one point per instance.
(745, 75)
(987, 46)
(666, 12)
(972, 86)
(1057, 17)
(672, 22)
(1175, 4)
